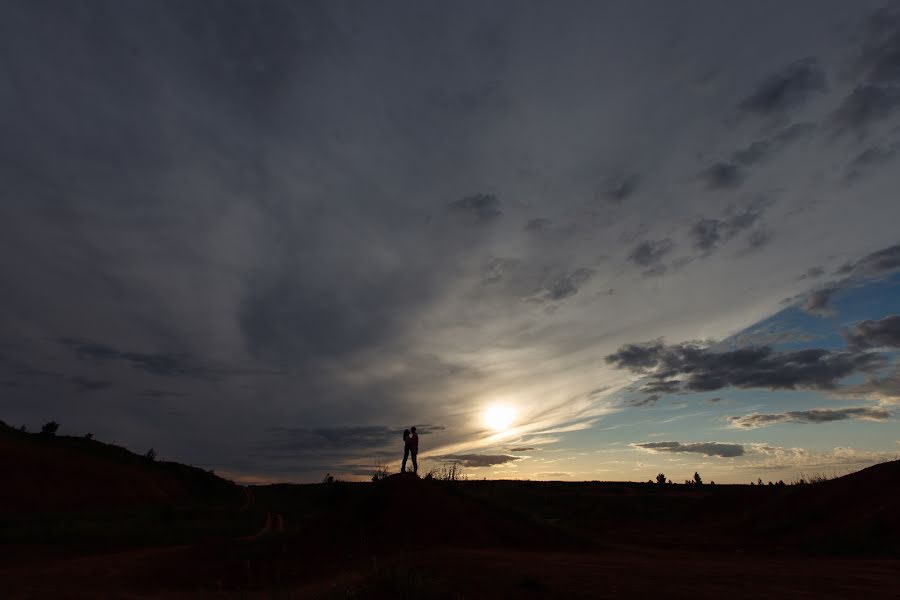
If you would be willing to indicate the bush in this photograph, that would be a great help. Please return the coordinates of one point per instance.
(381, 473)
(328, 478)
(50, 428)
(661, 479)
(89, 436)
(151, 454)
(697, 479)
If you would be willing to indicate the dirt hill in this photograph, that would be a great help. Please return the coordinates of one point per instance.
(45, 473)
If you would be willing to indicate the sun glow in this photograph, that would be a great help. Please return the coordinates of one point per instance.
(499, 417)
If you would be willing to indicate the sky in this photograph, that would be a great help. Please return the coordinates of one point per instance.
(266, 237)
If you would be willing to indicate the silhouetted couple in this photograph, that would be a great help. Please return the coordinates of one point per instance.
(410, 448)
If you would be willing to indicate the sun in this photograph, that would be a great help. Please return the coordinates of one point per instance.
(499, 417)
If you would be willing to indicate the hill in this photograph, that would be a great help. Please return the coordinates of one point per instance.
(60, 473)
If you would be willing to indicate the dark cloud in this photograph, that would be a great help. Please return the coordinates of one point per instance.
(649, 255)
(161, 394)
(706, 448)
(567, 285)
(767, 148)
(163, 364)
(814, 416)
(714, 400)
(707, 234)
(702, 369)
(812, 273)
(874, 265)
(664, 387)
(818, 301)
(343, 439)
(538, 224)
(866, 105)
(621, 187)
(650, 400)
(884, 333)
(722, 176)
(522, 449)
(480, 207)
(478, 460)
(758, 239)
(871, 158)
(877, 95)
(787, 89)
(85, 384)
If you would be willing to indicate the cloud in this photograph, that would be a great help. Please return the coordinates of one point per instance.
(478, 460)
(884, 333)
(85, 384)
(722, 176)
(787, 89)
(650, 400)
(768, 148)
(871, 266)
(566, 285)
(866, 105)
(620, 187)
(719, 449)
(812, 273)
(871, 158)
(538, 225)
(701, 369)
(818, 301)
(650, 253)
(707, 234)
(480, 207)
(522, 449)
(814, 416)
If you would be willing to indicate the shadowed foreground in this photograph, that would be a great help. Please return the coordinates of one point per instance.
(165, 530)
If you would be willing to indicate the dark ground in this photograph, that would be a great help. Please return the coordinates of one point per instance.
(80, 519)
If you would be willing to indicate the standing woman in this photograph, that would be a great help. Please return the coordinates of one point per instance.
(405, 450)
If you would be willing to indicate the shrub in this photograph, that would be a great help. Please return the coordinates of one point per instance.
(328, 478)
(50, 428)
(661, 479)
(381, 473)
(151, 454)
(697, 479)
(89, 436)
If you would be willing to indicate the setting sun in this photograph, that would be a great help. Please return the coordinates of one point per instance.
(499, 417)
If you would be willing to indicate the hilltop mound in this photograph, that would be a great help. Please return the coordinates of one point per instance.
(853, 513)
(405, 511)
(44, 473)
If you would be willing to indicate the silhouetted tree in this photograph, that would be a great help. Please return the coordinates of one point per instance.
(23, 429)
(89, 436)
(780, 482)
(711, 482)
(697, 479)
(759, 481)
(50, 428)
(328, 478)
(661, 479)
(151, 454)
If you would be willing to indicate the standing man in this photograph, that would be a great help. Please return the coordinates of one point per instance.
(414, 448)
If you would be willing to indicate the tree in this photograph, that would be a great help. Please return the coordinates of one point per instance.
(151, 454)
(50, 428)
(697, 479)
(661, 479)
(89, 436)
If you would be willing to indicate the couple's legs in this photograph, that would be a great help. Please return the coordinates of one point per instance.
(414, 451)
(405, 456)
